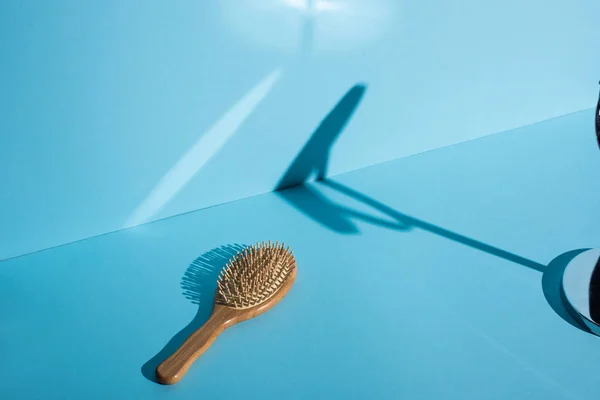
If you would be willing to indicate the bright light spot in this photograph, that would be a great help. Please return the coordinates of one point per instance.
(315, 6)
(299, 4)
(203, 150)
(327, 6)
(316, 26)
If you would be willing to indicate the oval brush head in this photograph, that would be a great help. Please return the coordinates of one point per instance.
(254, 275)
(253, 281)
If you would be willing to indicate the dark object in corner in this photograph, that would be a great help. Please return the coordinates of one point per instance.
(595, 293)
(595, 279)
(598, 120)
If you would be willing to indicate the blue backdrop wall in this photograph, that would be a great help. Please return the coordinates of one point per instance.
(117, 113)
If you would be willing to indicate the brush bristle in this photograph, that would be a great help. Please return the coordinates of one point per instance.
(254, 275)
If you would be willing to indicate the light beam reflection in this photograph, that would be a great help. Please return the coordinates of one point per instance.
(201, 152)
(280, 24)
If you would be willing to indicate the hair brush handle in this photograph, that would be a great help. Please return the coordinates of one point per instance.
(173, 368)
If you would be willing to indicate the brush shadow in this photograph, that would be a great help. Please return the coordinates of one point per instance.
(198, 285)
(553, 289)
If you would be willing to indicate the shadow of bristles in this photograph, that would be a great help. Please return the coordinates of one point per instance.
(198, 285)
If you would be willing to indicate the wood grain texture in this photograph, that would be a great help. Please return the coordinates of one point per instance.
(174, 368)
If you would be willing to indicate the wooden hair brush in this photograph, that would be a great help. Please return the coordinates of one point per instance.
(251, 282)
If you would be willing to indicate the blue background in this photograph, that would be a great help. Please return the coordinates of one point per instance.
(433, 276)
(100, 100)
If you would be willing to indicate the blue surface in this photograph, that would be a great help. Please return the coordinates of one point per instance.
(445, 293)
(100, 101)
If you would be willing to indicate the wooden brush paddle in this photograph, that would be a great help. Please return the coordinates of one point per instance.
(252, 282)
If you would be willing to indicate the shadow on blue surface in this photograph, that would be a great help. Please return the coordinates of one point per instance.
(311, 202)
(314, 156)
(338, 218)
(553, 290)
(198, 284)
